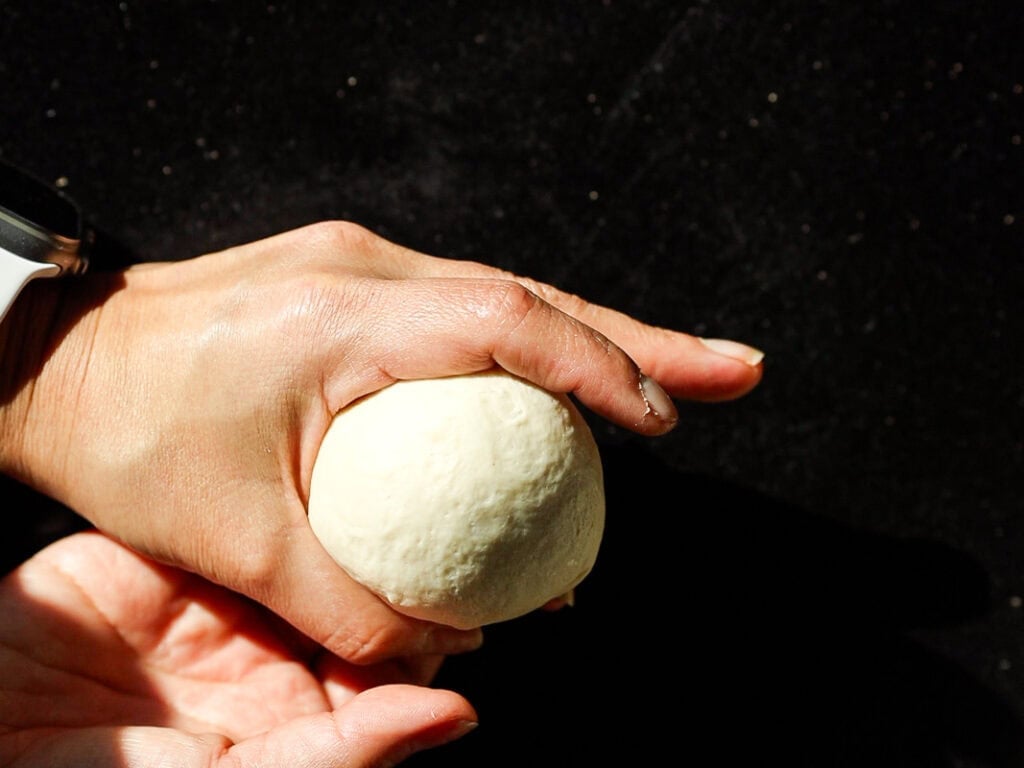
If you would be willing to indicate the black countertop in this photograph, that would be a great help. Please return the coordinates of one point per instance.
(824, 573)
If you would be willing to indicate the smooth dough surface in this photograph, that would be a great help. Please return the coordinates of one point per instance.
(466, 500)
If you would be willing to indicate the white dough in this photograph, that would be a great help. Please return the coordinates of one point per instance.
(466, 500)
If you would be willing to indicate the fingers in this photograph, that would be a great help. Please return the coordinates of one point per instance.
(686, 366)
(424, 328)
(689, 368)
(384, 725)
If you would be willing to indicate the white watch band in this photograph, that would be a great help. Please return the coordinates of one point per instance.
(15, 274)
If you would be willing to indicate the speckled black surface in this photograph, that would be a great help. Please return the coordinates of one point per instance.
(822, 574)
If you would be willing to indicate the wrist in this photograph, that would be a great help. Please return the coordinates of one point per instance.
(34, 385)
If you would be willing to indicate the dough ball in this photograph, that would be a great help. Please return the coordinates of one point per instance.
(466, 500)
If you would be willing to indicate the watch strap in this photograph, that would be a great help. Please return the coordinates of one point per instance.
(15, 273)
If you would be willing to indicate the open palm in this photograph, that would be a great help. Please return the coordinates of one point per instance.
(109, 659)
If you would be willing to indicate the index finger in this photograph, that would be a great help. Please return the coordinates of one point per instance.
(687, 366)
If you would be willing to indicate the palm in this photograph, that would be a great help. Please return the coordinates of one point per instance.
(97, 638)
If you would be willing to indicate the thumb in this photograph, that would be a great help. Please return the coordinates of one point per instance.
(314, 594)
(381, 726)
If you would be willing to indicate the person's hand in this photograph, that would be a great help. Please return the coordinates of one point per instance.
(109, 659)
(179, 406)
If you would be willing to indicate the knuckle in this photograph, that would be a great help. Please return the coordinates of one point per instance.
(255, 571)
(360, 644)
(514, 303)
(338, 236)
(345, 245)
(569, 303)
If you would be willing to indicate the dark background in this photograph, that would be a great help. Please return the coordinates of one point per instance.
(824, 573)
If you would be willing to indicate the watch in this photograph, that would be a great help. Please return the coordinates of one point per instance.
(41, 233)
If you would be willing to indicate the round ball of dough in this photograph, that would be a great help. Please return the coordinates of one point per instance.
(465, 500)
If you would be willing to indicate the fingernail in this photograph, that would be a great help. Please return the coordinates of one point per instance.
(659, 404)
(444, 734)
(459, 729)
(735, 350)
(429, 739)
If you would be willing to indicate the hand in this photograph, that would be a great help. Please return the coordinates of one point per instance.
(110, 659)
(179, 406)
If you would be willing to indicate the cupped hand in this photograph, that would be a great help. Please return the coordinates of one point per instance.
(179, 406)
(110, 659)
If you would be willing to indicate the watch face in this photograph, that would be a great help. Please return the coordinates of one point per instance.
(37, 205)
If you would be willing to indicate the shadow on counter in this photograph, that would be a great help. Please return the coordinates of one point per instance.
(721, 623)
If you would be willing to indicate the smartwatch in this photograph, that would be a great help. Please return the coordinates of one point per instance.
(41, 233)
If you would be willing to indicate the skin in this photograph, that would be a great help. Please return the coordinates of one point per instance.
(111, 659)
(179, 407)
